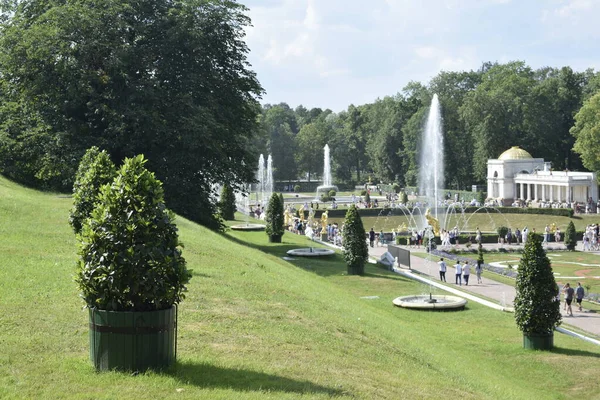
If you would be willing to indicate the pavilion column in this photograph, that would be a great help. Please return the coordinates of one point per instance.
(528, 191)
(521, 196)
(559, 194)
(544, 192)
(535, 192)
(551, 192)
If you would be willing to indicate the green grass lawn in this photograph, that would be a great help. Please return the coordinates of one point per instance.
(254, 326)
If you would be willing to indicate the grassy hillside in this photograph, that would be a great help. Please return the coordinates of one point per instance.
(254, 326)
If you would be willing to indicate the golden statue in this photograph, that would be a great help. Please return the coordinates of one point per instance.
(288, 218)
(553, 227)
(301, 212)
(431, 220)
(324, 220)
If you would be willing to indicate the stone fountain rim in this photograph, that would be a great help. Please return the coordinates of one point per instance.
(248, 227)
(305, 252)
(457, 302)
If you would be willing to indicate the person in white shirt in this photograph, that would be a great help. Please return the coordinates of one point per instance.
(466, 272)
(442, 265)
(458, 273)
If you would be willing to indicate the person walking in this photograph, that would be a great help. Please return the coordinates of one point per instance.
(569, 292)
(442, 265)
(579, 293)
(458, 273)
(466, 272)
(372, 237)
(478, 271)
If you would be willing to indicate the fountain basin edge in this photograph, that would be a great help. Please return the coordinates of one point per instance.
(419, 302)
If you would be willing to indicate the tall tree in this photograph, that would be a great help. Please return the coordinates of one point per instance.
(493, 112)
(309, 143)
(587, 133)
(169, 79)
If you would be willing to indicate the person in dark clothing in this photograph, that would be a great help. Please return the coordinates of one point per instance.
(372, 237)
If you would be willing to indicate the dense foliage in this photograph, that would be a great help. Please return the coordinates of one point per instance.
(356, 252)
(274, 216)
(571, 236)
(95, 170)
(537, 309)
(168, 79)
(130, 255)
(227, 205)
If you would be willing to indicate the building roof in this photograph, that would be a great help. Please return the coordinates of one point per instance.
(515, 153)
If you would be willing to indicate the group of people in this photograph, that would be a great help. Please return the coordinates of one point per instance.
(461, 272)
(590, 237)
(570, 294)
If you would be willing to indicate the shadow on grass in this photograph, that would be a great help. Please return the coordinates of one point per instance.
(574, 352)
(205, 375)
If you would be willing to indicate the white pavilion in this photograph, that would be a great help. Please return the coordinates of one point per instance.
(516, 175)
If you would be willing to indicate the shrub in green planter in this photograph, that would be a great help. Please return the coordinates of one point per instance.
(275, 218)
(537, 311)
(356, 252)
(297, 188)
(130, 255)
(227, 203)
(570, 236)
(332, 193)
(95, 169)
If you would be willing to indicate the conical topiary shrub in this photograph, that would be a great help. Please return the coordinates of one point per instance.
(95, 169)
(227, 203)
(275, 219)
(130, 255)
(571, 236)
(537, 311)
(356, 251)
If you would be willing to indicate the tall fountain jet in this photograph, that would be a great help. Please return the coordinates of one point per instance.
(326, 166)
(431, 173)
(260, 186)
(327, 185)
(268, 182)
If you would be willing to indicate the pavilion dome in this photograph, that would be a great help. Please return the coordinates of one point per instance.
(515, 153)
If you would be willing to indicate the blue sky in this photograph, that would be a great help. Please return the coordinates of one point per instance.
(332, 53)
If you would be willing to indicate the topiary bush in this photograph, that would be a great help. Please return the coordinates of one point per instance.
(396, 188)
(480, 255)
(570, 237)
(536, 309)
(356, 252)
(481, 198)
(332, 193)
(226, 204)
(95, 169)
(502, 231)
(367, 198)
(297, 188)
(275, 217)
(130, 254)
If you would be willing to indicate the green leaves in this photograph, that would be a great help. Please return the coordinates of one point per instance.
(274, 216)
(130, 255)
(356, 252)
(570, 236)
(537, 310)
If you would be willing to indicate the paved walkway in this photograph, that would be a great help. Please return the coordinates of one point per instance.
(503, 294)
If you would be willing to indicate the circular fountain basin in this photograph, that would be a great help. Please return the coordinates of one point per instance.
(248, 227)
(423, 302)
(310, 252)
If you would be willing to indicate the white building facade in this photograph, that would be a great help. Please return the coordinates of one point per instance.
(516, 175)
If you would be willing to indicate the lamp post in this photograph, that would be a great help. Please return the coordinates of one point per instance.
(430, 236)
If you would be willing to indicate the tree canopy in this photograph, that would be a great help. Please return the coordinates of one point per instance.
(169, 79)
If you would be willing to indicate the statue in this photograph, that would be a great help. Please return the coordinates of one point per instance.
(324, 220)
(433, 222)
(288, 217)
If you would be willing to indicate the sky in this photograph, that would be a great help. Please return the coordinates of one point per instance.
(333, 53)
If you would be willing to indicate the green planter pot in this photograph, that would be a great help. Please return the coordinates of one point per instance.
(539, 341)
(275, 238)
(133, 341)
